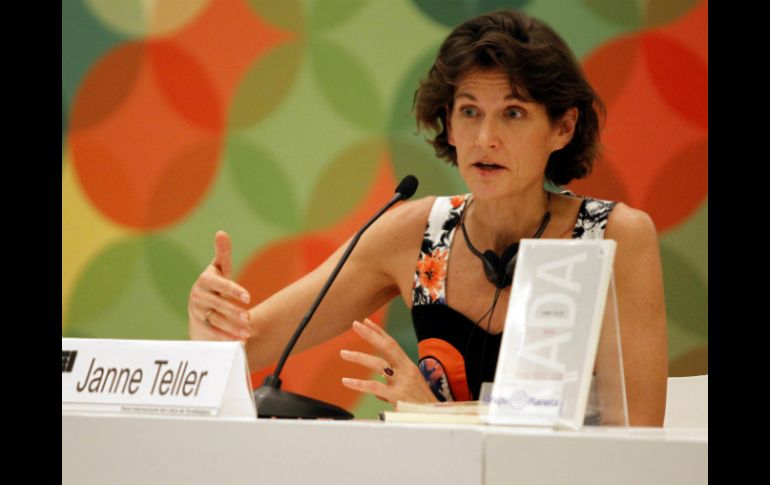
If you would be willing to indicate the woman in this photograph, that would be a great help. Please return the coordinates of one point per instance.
(512, 110)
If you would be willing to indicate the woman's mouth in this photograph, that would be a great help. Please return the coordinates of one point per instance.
(488, 167)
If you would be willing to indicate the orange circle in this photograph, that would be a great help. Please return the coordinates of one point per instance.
(145, 159)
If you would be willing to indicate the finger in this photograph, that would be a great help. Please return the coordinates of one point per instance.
(383, 342)
(372, 362)
(390, 343)
(218, 322)
(225, 287)
(379, 389)
(380, 331)
(375, 327)
(222, 253)
(204, 301)
(214, 333)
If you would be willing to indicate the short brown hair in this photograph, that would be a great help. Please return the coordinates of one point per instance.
(541, 68)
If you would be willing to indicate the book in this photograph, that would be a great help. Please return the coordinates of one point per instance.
(551, 334)
(407, 417)
(460, 412)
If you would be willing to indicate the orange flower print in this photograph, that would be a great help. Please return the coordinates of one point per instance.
(432, 270)
(457, 201)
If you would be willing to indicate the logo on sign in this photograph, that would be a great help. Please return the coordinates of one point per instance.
(68, 360)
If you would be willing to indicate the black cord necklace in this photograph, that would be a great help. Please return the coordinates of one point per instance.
(499, 271)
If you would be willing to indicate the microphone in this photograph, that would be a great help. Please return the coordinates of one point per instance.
(407, 187)
(271, 401)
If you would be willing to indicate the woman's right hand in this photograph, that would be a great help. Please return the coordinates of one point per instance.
(214, 308)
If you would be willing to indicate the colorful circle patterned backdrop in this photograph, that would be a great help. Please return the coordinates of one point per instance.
(287, 124)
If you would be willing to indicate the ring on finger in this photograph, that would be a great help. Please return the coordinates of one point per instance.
(206, 318)
(388, 371)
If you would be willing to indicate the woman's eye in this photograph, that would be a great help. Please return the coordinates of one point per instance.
(514, 113)
(469, 111)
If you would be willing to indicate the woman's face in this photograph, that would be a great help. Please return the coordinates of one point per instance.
(502, 142)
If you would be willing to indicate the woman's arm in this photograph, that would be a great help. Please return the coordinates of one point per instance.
(642, 313)
(376, 271)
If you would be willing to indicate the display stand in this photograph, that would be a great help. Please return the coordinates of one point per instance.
(608, 391)
(591, 392)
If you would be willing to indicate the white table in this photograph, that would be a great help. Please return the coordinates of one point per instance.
(596, 455)
(136, 449)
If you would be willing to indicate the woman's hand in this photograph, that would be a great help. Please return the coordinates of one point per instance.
(212, 308)
(404, 381)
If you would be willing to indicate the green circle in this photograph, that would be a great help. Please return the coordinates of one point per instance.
(413, 155)
(330, 14)
(262, 183)
(453, 13)
(346, 84)
(103, 282)
(410, 151)
(343, 184)
(402, 118)
(172, 270)
(624, 13)
(287, 14)
(265, 85)
(137, 288)
(686, 292)
(84, 40)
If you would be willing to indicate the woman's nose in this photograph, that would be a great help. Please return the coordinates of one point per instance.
(488, 135)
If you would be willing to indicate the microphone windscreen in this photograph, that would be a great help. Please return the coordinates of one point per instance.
(407, 187)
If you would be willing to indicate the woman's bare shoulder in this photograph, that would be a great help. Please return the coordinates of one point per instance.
(410, 215)
(398, 233)
(390, 246)
(630, 225)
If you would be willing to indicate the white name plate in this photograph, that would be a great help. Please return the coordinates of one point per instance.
(552, 328)
(159, 377)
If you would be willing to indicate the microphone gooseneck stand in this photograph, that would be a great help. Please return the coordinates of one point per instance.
(270, 399)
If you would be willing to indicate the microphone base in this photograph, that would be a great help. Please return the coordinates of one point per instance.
(275, 403)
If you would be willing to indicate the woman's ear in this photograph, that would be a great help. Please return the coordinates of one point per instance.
(566, 128)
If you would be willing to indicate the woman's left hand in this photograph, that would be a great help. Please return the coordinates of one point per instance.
(404, 381)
